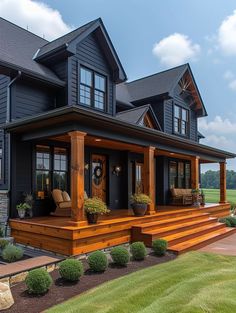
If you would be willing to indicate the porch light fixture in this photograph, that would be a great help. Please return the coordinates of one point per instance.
(116, 170)
(98, 139)
(172, 153)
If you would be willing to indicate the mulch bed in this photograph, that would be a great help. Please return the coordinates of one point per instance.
(61, 291)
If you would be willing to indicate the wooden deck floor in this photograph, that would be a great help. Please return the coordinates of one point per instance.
(58, 235)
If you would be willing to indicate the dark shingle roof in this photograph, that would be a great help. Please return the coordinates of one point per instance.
(135, 115)
(63, 40)
(17, 49)
(149, 86)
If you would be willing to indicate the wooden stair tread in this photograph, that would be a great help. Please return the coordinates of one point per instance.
(172, 220)
(178, 227)
(194, 231)
(201, 240)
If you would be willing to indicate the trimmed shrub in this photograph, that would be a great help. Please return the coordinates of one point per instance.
(159, 247)
(71, 269)
(225, 221)
(120, 256)
(229, 221)
(98, 261)
(3, 243)
(38, 281)
(12, 253)
(138, 250)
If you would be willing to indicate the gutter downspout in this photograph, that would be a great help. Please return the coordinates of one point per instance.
(8, 120)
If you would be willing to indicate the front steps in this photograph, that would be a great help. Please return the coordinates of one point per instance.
(189, 230)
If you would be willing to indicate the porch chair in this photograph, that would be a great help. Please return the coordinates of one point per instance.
(181, 196)
(63, 203)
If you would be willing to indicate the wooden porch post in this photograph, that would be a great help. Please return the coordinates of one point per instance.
(195, 172)
(77, 175)
(149, 177)
(223, 182)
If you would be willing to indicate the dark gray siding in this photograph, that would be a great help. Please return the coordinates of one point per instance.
(88, 54)
(4, 80)
(168, 116)
(61, 69)
(21, 172)
(28, 99)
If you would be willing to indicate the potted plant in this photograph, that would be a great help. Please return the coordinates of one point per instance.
(139, 203)
(195, 194)
(203, 201)
(29, 199)
(21, 208)
(93, 208)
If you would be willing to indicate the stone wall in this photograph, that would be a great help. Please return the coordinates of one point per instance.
(4, 203)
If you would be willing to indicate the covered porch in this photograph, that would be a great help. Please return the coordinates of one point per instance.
(142, 156)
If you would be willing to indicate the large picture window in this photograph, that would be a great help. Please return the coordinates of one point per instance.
(92, 89)
(51, 170)
(181, 120)
(179, 174)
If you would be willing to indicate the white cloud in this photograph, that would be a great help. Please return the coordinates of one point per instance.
(218, 126)
(230, 77)
(176, 49)
(37, 16)
(227, 35)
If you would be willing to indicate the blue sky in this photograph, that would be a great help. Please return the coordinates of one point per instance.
(200, 32)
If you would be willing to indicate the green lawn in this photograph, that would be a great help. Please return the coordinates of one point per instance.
(213, 195)
(193, 283)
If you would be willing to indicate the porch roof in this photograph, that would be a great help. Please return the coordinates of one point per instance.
(69, 118)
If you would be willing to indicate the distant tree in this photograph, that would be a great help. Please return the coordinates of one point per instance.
(211, 179)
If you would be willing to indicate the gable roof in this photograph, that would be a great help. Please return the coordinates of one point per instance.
(69, 41)
(62, 41)
(136, 115)
(17, 48)
(162, 83)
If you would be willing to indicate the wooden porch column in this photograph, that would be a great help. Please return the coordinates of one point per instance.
(149, 177)
(195, 172)
(223, 182)
(77, 175)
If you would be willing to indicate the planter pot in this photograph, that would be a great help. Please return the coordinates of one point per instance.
(139, 209)
(92, 218)
(21, 213)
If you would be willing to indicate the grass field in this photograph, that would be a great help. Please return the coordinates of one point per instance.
(193, 283)
(213, 195)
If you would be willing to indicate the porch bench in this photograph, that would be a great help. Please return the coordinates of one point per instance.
(181, 196)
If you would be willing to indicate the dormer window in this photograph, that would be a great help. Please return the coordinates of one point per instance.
(181, 120)
(93, 89)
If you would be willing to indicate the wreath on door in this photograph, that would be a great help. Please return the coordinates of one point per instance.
(98, 172)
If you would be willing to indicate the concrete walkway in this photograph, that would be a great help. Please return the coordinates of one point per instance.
(225, 246)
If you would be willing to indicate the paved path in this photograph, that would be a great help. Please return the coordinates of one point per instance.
(226, 246)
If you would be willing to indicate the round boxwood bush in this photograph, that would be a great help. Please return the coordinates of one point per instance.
(159, 246)
(229, 221)
(71, 269)
(98, 261)
(38, 281)
(3, 243)
(12, 253)
(138, 250)
(120, 256)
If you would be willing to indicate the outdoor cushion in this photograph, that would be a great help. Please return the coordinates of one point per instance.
(57, 195)
(65, 205)
(65, 196)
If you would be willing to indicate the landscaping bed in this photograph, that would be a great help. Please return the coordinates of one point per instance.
(62, 290)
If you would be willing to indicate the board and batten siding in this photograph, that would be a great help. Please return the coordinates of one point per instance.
(88, 54)
(168, 117)
(28, 100)
(4, 81)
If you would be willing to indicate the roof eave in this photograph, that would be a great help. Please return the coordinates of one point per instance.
(13, 126)
(54, 82)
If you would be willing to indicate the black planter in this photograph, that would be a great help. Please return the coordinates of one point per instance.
(92, 218)
(139, 209)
